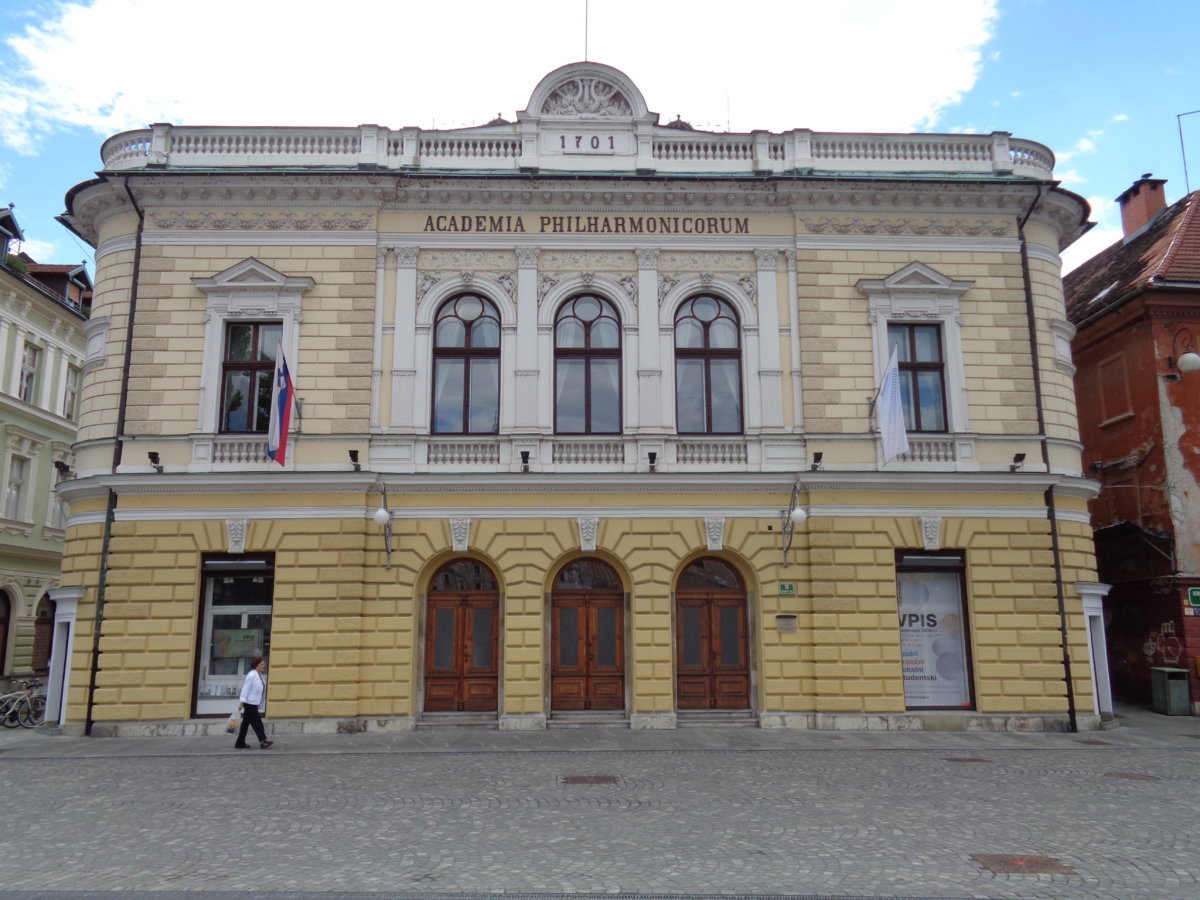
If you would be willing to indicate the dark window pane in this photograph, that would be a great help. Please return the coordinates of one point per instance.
(691, 649)
(265, 383)
(237, 401)
(726, 396)
(709, 574)
(898, 337)
(588, 574)
(606, 636)
(448, 396)
(730, 636)
(481, 637)
(928, 346)
(929, 385)
(268, 342)
(464, 575)
(606, 396)
(241, 343)
(906, 397)
(568, 637)
(485, 396)
(690, 390)
(443, 639)
(570, 409)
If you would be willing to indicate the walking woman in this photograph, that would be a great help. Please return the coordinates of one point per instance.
(253, 691)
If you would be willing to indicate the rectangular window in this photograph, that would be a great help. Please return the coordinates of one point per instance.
(922, 375)
(71, 394)
(934, 650)
(16, 488)
(30, 360)
(235, 627)
(247, 375)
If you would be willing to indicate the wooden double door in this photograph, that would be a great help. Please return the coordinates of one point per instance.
(712, 667)
(462, 640)
(587, 638)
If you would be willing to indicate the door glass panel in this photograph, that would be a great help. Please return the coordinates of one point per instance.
(568, 637)
(481, 638)
(692, 655)
(731, 646)
(443, 639)
(606, 636)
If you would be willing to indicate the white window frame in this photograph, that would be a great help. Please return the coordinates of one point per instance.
(919, 294)
(31, 357)
(70, 400)
(247, 291)
(16, 487)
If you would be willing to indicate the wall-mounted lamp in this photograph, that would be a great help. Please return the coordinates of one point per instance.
(154, 461)
(653, 459)
(524, 460)
(1183, 358)
(354, 460)
(63, 469)
(1018, 462)
(792, 516)
(383, 518)
(816, 461)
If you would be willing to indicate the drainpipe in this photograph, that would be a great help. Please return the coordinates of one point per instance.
(1051, 511)
(118, 447)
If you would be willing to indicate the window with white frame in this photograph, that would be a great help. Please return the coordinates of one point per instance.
(31, 359)
(16, 487)
(247, 375)
(708, 367)
(917, 307)
(71, 394)
(587, 367)
(466, 367)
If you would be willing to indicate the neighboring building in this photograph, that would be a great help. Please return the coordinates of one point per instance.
(42, 312)
(589, 365)
(1137, 308)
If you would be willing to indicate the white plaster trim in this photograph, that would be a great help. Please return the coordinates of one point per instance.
(240, 237)
(915, 244)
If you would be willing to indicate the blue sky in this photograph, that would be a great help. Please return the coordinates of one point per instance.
(1099, 82)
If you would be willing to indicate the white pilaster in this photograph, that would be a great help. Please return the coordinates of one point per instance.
(405, 403)
(769, 373)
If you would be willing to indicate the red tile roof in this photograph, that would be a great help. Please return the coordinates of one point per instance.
(1167, 251)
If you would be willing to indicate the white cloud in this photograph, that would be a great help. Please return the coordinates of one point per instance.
(1107, 216)
(112, 65)
(41, 251)
(1069, 176)
(1120, 117)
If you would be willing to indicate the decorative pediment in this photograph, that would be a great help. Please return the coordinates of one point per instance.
(916, 277)
(252, 274)
(586, 90)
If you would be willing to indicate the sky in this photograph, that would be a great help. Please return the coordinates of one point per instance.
(1106, 84)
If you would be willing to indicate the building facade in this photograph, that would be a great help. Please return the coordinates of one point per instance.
(1137, 307)
(42, 313)
(584, 427)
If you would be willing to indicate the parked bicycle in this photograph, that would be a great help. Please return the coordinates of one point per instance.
(25, 706)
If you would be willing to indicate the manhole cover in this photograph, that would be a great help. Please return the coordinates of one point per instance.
(964, 759)
(589, 779)
(1009, 863)
(1093, 743)
(1132, 776)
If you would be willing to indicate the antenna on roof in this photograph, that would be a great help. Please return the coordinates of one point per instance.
(1182, 152)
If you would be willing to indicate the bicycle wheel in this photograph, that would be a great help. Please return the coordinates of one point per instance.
(32, 711)
(8, 713)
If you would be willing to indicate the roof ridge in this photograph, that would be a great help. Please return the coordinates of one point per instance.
(1180, 231)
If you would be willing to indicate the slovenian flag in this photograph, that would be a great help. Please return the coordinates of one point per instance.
(281, 412)
(893, 437)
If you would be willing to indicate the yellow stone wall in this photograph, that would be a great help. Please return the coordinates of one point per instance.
(347, 632)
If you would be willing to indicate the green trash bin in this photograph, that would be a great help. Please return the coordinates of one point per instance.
(1170, 690)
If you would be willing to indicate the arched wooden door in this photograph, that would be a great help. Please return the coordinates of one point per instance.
(712, 668)
(462, 639)
(587, 638)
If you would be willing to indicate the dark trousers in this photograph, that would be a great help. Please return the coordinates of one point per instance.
(251, 719)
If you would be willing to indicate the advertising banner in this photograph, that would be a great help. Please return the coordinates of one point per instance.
(933, 644)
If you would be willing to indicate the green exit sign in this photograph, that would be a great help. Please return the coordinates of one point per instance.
(788, 589)
(1194, 596)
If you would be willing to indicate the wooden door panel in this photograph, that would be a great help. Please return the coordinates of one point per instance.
(461, 648)
(587, 645)
(711, 653)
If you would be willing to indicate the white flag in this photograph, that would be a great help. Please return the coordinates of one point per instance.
(889, 407)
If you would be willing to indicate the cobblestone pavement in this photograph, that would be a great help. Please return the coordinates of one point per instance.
(735, 812)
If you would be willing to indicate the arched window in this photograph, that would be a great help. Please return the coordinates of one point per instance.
(587, 367)
(466, 367)
(708, 367)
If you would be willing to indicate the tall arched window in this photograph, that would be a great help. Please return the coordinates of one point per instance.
(466, 367)
(587, 367)
(708, 367)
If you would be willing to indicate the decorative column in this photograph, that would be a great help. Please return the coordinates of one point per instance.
(526, 385)
(381, 259)
(404, 364)
(794, 335)
(650, 410)
(14, 375)
(770, 374)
